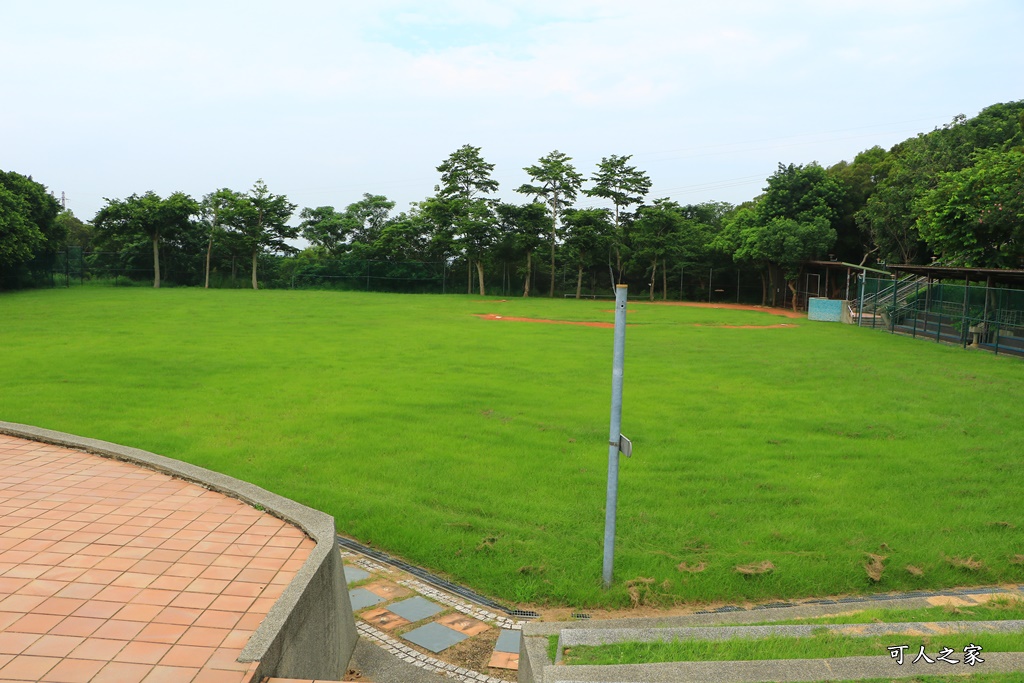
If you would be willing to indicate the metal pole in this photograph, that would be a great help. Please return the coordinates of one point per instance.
(614, 434)
(860, 308)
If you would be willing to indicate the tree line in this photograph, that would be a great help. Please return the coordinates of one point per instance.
(953, 195)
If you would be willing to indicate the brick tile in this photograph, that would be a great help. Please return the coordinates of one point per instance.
(161, 633)
(170, 674)
(63, 573)
(142, 653)
(99, 576)
(216, 619)
(193, 600)
(82, 591)
(244, 589)
(152, 596)
(219, 676)
(172, 583)
(117, 629)
(74, 671)
(102, 649)
(237, 639)
(28, 668)
(231, 603)
(116, 563)
(15, 643)
(20, 603)
(226, 573)
(177, 615)
(202, 635)
(118, 593)
(122, 672)
(77, 626)
(201, 585)
(62, 606)
(35, 623)
(187, 655)
(227, 658)
(53, 646)
(136, 612)
(8, 618)
(98, 609)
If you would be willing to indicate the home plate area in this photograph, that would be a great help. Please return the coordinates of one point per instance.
(428, 627)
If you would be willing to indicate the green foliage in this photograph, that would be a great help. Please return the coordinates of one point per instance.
(556, 182)
(975, 216)
(28, 225)
(20, 238)
(128, 226)
(913, 169)
(259, 220)
(465, 174)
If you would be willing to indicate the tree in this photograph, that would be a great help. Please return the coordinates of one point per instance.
(975, 217)
(663, 230)
(260, 219)
(212, 209)
(588, 234)
(19, 236)
(858, 180)
(624, 186)
(786, 226)
(913, 168)
(465, 174)
(28, 224)
(356, 229)
(526, 225)
(78, 233)
(149, 216)
(458, 208)
(556, 184)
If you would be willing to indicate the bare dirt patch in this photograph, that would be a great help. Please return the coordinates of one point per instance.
(875, 566)
(732, 307)
(493, 316)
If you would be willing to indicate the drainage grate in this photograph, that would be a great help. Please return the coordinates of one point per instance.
(580, 615)
(524, 613)
(434, 580)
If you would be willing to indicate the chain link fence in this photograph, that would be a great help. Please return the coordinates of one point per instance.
(969, 315)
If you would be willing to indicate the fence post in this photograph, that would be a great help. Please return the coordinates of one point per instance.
(892, 313)
(917, 298)
(964, 321)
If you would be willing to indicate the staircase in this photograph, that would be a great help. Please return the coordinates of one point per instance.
(877, 306)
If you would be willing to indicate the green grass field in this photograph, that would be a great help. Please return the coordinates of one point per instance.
(478, 448)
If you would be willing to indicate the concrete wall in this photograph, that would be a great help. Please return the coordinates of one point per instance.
(310, 632)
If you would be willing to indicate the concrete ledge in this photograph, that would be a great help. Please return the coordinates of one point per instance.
(533, 658)
(841, 669)
(310, 632)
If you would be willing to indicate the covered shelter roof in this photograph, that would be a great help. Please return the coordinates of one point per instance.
(988, 275)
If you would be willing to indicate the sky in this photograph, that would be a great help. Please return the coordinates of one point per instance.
(327, 100)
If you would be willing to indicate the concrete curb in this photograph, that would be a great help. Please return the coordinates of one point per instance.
(536, 667)
(842, 669)
(310, 632)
